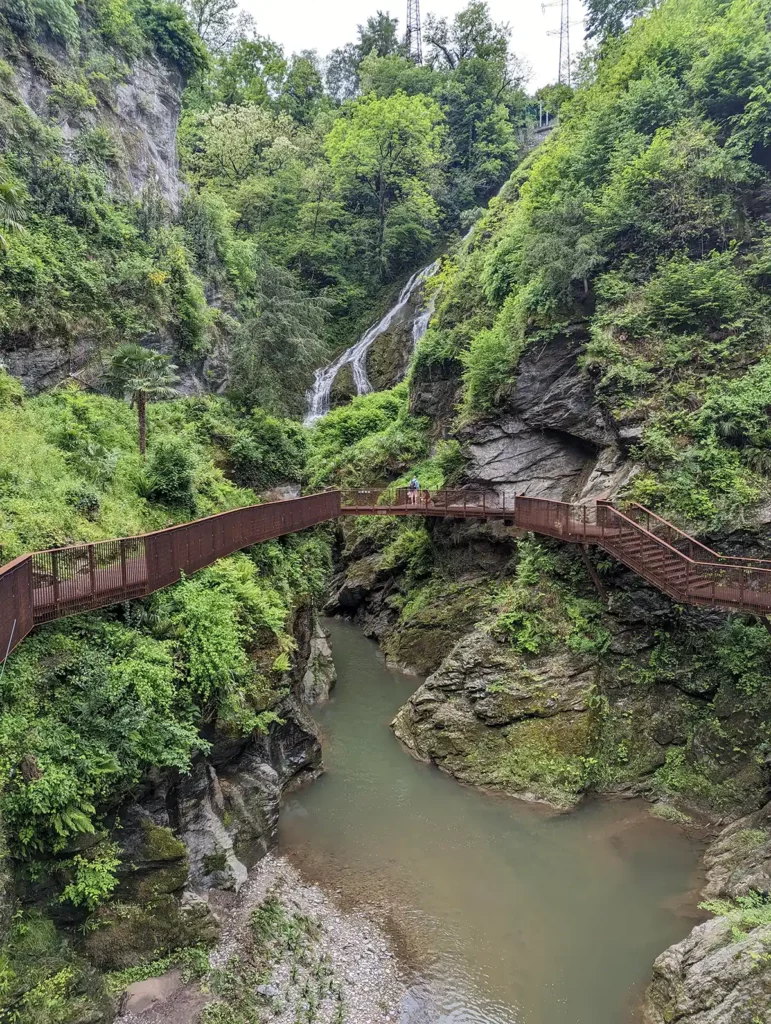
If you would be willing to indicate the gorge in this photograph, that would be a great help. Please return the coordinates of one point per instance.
(545, 798)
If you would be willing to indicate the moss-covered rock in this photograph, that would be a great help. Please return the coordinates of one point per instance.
(489, 717)
(713, 978)
(127, 934)
(46, 979)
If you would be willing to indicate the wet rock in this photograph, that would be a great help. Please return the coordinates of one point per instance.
(551, 392)
(153, 859)
(712, 978)
(491, 719)
(508, 454)
(213, 863)
(130, 933)
(320, 675)
(435, 392)
(740, 858)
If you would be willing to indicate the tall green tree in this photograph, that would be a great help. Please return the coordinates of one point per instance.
(471, 33)
(379, 36)
(610, 17)
(383, 155)
(278, 342)
(143, 376)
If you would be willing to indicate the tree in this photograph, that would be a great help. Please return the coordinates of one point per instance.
(610, 17)
(483, 145)
(231, 143)
(251, 73)
(11, 209)
(470, 34)
(383, 154)
(144, 376)
(218, 22)
(379, 36)
(278, 342)
(302, 92)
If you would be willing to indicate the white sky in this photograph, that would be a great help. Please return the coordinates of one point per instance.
(319, 25)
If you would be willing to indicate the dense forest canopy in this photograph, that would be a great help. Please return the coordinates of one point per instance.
(313, 185)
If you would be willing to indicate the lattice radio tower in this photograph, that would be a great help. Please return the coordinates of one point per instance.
(563, 72)
(413, 37)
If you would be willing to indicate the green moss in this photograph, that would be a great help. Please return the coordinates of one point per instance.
(45, 981)
(161, 843)
(131, 934)
(548, 758)
(214, 862)
(669, 813)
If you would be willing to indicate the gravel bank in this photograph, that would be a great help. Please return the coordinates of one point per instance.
(287, 953)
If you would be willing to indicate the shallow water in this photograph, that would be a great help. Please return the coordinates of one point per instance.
(506, 913)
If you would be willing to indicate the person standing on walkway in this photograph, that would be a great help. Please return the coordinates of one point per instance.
(413, 491)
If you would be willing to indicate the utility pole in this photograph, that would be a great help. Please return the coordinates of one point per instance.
(413, 39)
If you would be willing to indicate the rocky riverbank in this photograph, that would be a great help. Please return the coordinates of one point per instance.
(285, 951)
(550, 676)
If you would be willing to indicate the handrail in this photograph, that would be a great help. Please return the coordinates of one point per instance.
(676, 529)
(51, 584)
(681, 554)
(698, 543)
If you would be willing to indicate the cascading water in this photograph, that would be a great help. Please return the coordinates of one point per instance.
(356, 355)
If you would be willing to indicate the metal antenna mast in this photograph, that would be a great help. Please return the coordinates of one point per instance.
(413, 39)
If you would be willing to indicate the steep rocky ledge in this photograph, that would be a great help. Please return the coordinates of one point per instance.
(186, 835)
(550, 439)
(137, 115)
(720, 974)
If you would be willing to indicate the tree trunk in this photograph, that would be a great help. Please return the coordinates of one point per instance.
(142, 417)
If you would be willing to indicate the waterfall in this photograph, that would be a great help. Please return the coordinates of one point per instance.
(356, 355)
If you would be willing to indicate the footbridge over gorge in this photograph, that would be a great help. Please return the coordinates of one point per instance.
(51, 584)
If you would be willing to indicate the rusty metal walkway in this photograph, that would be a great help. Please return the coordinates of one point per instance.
(51, 584)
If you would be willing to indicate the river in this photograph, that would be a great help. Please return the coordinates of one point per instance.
(505, 913)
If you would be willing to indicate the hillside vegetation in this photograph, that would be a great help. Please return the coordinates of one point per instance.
(307, 191)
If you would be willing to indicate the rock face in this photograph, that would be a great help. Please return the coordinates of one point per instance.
(712, 978)
(489, 719)
(717, 975)
(140, 114)
(320, 675)
(550, 439)
(188, 834)
(136, 111)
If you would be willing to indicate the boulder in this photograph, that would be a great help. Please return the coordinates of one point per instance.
(490, 718)
(712, 977)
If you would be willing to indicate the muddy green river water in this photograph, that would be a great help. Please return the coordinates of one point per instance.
(503, 912)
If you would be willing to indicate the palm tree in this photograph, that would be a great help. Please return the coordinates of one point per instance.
(143, 376)
(11, 209)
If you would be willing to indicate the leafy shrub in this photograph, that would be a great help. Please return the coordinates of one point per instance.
(171, 467)
(172, 34)
(271, 450)
(59, 18)
(72, 97)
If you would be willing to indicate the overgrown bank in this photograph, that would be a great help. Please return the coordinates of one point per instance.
(145, 748)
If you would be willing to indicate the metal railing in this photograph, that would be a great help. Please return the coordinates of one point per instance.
(670, 559)
(50, 584)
